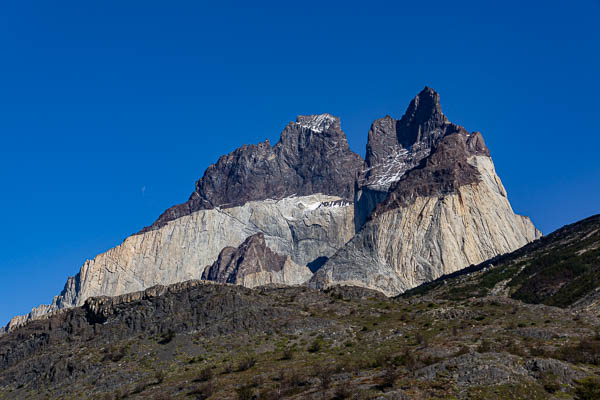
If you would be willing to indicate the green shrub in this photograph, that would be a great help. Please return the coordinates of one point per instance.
(587, 389)
(315, 346)
(245, 392)
(246, 363)
(205, 374)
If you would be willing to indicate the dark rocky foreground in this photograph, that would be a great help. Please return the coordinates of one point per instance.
(198, 340)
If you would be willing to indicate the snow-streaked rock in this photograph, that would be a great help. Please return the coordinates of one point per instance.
(430, 236)
(307, 229)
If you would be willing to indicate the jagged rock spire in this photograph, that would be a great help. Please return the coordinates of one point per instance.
(395, 146)
(423, 118)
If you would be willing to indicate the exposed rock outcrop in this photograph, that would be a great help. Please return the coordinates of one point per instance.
(254, 264)
(308, 229)
(558, 270)
(426, 202)
(447, 213)
(397, 146)
(312, 156)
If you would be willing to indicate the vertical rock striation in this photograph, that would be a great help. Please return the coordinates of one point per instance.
(397, 146)
(445, 213)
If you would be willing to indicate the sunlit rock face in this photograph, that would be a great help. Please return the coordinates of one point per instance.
(297, 194)
(425, 201)
(431, 203)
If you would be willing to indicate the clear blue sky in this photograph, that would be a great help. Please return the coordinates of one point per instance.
(111, 110)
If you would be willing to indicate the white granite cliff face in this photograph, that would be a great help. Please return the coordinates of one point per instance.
(305, 228)
(434, 235)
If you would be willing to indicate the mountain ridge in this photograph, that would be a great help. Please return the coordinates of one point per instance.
(313, 199)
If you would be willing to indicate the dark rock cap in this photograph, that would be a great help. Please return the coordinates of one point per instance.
(312, 156)
(441, 173)
(423, 122)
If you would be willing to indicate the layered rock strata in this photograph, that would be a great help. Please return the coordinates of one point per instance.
(312, 156)
(425, 202)
(307, 229)
(446, 214)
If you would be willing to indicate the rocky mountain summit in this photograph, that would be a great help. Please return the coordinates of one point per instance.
(446, 213)
(425, 202)
(312, 156)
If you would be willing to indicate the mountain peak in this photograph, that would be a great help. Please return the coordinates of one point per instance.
(318, 122)
(395, 146)
(428, 101)
(423, 116)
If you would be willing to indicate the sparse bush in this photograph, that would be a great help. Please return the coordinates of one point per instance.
(389, 378)
(140, 387)
(485, 346)
(167, 337)
(114, 353)
(587, 389)
(288, 353)
(429, 360)
(420, 338)
(159, 376)
(587, 351)
(203, 391)
(227, 368)
(246, 363)
(462, 350)
(293, 378)
(324, 373)
(205, 375)
(407, 360)
(551, 386)
(514, 348)
(380, 360)
(315, 346)
(343, 392)
(245, 392)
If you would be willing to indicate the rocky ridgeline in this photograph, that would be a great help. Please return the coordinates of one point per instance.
(425, 202)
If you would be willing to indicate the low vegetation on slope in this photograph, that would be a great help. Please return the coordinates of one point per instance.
(198, 340)
(561, 269)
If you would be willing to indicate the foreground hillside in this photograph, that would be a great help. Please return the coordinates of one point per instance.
(198, 340)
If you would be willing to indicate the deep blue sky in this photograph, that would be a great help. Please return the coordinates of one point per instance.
(110, 110)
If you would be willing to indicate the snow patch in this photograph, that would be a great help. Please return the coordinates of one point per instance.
(317, 123)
